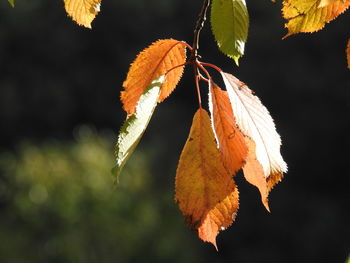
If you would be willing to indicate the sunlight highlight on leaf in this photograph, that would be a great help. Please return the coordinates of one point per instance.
(307, 16)
(205, 191)
(152, 62)
(82, 11)
(136, 124)
(324, 3)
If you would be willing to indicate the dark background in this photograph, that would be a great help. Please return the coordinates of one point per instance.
(56, 76)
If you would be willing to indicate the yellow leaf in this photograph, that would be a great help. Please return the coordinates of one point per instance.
(348, 53)
(229, 137)
(311, 15)
(205, 191)
(82, 11)
(263, 142)
(152, 62)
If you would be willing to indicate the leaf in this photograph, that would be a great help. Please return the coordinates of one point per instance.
(205, 191)
(82, 11)
(254, 174)
(12, 2)
(307, 16)
(152, 62)
(254, 121)
(229, 137)
(229, 23)
(136, 124)
(348, 53)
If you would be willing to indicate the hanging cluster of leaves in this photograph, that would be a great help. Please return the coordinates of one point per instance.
(239, 132)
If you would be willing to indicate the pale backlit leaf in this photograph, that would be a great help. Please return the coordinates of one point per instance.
(255, 122)
(135, 124)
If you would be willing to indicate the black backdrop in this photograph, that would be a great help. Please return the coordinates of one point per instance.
(55, 75)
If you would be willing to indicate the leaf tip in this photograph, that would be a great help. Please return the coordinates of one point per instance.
(215, 245)
(236, 59)
(287, 35)
(265, 201)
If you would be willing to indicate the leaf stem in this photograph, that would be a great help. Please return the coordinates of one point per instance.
(197, 78)
(211, 65)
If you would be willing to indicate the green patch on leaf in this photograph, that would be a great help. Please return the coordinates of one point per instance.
(230, 23)
(12, 2)
(136, 124)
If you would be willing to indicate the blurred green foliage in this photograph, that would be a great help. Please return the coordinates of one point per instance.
(58, 204)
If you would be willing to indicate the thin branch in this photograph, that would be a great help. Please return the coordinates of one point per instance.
(199, 25)
(203, 68)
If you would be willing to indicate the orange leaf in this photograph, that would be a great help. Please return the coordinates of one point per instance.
(205, 191)
(229, 137)
(311, 15)
(254, 121)
(348, 53)
(151, 63)
(254, 174)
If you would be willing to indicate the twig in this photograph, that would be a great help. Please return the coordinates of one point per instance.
(199, 25)
(195, 46)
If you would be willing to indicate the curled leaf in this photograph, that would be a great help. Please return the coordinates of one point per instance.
(205, 191)
(136, 124)
(152, 62)
(82, 11)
